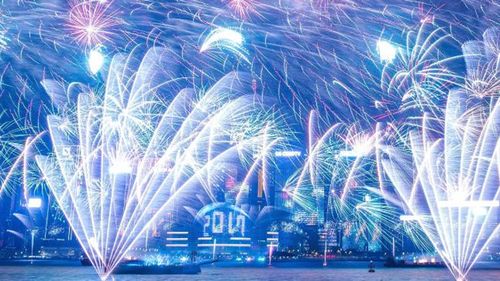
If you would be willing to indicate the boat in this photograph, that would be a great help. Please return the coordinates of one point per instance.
(140, 267)
(371, 268)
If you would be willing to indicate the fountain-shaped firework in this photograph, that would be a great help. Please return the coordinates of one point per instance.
(122, 158)
(452, 187)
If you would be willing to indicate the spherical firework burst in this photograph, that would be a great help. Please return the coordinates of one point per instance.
(92, 22)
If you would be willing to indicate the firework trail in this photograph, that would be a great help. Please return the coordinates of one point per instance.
(483, 65)
(454, 193)
(311, 55)
(147, 142)
(421, 74)
(337, 183)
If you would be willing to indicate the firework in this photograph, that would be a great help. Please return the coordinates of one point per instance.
(15, 144)
(92, 22)
(131, 153)
(343, 60)
(420, 74)
(454, 194)
(243, 8)
(226, 39)
(483, 65)
(333, 184)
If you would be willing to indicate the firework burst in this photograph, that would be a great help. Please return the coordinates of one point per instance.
(420, 74)
(146, 143)
(335, 183)
(92, 22)
(243, 8)
(483, 65)
(454, 194)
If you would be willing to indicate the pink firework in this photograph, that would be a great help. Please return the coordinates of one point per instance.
(91, 21)
(243, 8)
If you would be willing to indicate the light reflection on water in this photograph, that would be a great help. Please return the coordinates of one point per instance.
(79, 273)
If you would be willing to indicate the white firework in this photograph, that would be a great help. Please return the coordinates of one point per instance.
(452, 187)
(126, 156)
(483, 65)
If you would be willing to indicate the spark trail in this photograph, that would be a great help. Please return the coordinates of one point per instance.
(126, 156)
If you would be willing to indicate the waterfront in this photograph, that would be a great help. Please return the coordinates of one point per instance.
(79, 273)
